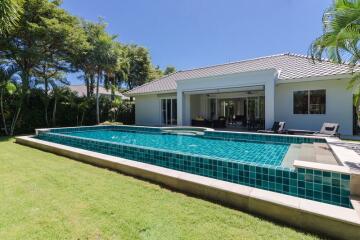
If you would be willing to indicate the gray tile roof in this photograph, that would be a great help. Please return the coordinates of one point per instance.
(291, 66)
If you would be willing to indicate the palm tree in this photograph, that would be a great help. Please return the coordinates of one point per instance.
(10, 12)
(8, 86)
(341, 27)
(340, 39)
(59, 93)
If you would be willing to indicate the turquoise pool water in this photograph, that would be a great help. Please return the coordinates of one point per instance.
(243, 151)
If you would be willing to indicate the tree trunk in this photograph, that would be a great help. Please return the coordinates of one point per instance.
(46, 107)
(54, 112)
(2, 111)
(97, 98)
(46, 101)
(13, 124)
(82, 118)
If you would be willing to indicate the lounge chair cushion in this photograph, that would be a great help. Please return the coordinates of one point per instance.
(329, 129)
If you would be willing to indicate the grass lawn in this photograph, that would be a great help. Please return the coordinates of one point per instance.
(45, 196)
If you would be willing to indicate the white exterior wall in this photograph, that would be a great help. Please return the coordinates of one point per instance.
(339, 102)
(147, 110)
(278, 101)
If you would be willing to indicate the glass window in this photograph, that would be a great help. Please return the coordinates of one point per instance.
(174, 112)
(310, 102)
(317, 102)
(169, 111)
(163, 110)
(301, 101)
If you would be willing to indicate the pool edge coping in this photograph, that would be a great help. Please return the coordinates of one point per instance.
(239, 196)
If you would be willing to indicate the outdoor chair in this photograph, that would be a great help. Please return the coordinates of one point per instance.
(327, 130)
(278, 127)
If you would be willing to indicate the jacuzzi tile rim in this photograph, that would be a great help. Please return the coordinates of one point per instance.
(323, 186)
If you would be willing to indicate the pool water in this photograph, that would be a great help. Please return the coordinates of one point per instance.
(243, 151)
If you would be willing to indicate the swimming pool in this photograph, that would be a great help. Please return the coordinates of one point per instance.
(243, 151)
(245, 158)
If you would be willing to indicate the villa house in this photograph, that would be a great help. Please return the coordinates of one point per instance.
(251, 93)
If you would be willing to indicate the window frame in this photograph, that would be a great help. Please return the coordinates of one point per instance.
(308, 112)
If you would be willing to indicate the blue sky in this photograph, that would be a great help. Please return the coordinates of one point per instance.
(195, 33)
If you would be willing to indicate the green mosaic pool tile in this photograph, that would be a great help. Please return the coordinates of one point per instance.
(301, 192)
(271, 172)
(309, 177)
(327, 181)
(317, 195)
(335, 182)
(318, 179)
(345, 201)
(294, 190)
(309, 185)
(301, 170)
(335, 175)
(294, 182)
(345, 177)
(317, 187)
(309, 193)
(335, 190)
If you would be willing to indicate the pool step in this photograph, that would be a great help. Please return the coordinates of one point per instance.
(317, 152)
(309, 152)
(291, 155)
(324, 154)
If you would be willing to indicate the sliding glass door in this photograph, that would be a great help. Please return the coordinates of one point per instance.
(168, 111)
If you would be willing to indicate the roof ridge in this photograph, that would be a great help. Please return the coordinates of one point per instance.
(234, 62)
(318, 60)
(155, 80)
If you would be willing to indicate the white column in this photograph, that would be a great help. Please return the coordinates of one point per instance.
(183, 108)
(269, 103)
(179, 98)
(186, 110)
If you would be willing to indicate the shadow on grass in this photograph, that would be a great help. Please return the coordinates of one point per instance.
(6, 138)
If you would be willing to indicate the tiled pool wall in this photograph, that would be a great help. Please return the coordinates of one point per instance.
(106, 127)
(322, 186)
(233, 136)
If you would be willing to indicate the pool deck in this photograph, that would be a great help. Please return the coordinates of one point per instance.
(325, 219)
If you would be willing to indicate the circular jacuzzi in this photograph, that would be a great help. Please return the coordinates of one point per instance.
(192, 131)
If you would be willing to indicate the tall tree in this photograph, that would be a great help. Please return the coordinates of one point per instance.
(101, 56)
(139, 66)
(155, 73)
(7, 85)
(341, 34)
(42, 45)
(169, 69)
(10, 11)
(117, 71)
